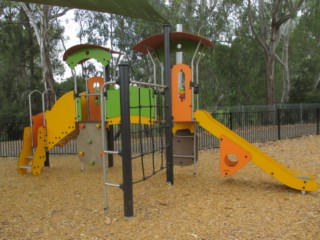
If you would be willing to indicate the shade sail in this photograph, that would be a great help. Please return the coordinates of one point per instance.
(140, 9)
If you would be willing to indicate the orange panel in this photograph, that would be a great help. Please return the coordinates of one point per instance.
(37, 121)
(232, 157)
(94, 86)
(181, 93)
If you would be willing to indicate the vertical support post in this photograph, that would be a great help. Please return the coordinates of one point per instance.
(279, 123)
(110, 138)
(167, 80)
(126, 140)
(47, 161)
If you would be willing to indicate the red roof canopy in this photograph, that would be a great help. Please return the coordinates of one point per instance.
(157, 41)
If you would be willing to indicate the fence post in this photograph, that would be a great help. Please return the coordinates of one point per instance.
(279, 123)
(318, 119)
(230, 120)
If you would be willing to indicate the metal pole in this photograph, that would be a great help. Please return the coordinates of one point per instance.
(110, 138)
(104, 138)
(126, 140)
(76, 95)
(30, 112)
(167, 79)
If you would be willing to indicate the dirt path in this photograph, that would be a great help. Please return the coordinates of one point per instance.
(63, 203)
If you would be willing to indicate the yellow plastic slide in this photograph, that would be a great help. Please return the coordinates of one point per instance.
(290, 178)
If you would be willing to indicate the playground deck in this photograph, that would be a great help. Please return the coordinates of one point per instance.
(62, 203)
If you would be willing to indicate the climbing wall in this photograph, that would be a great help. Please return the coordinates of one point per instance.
(89, 143)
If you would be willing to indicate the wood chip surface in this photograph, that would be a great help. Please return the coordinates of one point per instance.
(63, 203)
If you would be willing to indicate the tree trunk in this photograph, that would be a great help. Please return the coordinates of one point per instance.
(270, 78)
(47, 73)
(285, 71)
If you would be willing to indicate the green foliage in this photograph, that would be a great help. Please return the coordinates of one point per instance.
(232, 73)
(68, 85)
(313, 96)
(19, 70)
(305, 55)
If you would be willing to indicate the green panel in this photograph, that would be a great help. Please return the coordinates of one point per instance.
(131, 8)
(146, 100)
(113, 103)
(186, 46)
(79, 109)
(100, 55)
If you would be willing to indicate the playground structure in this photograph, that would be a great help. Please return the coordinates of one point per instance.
(100, 107)
(78, 115)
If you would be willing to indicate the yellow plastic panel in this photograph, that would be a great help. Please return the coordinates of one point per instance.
(61, 120)
(40, 154)
(26, 150)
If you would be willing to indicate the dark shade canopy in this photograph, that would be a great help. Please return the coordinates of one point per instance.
(140, 9)
(180, 41)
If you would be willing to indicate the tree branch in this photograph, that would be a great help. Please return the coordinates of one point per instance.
(60, 14)
(213, 6)
(253, 29)
(290, 15)
(279, 59)
(33, 21)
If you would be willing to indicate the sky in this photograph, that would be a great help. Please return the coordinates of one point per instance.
(71, 39)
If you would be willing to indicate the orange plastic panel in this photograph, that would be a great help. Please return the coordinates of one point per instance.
(232, 157)
(37, 121)
(181, 95)
(94, 87)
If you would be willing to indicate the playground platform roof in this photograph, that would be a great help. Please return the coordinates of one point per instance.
(188, 42)
(80, 53)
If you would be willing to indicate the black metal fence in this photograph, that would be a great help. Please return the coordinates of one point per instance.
(261, 126)
(255, 126)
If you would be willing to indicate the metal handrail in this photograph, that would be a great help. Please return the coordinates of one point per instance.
(30, 112)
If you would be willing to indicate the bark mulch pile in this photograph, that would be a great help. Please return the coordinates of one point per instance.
(63, 203)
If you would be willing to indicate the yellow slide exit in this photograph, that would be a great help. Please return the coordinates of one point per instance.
(290, 178)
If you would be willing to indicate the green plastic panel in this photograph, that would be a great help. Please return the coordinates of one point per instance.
(100, 55)
(146, 96)
(79, 109)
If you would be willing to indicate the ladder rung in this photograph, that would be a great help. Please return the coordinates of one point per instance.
(184, 156)
(117, 185)
(25, 167)
(111, 152)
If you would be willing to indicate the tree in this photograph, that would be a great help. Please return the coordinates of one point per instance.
(305, 64)
(266, 19)
(41, 19)
(19, 70)
(284, 61)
